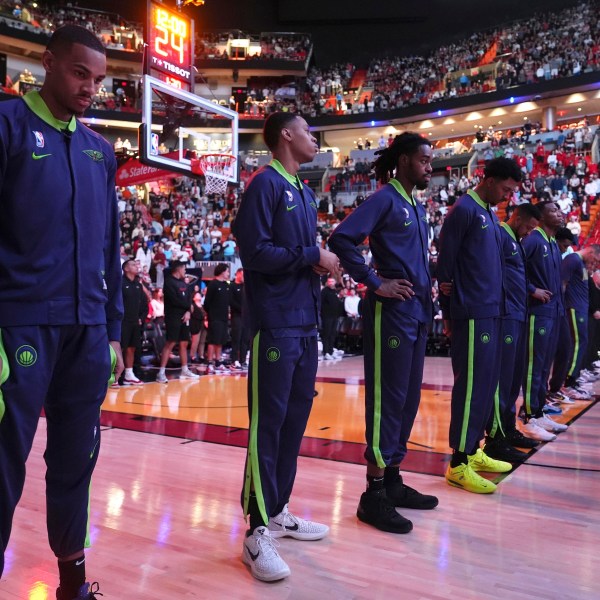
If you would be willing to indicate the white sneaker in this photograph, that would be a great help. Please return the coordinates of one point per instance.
(285, 524)
(535, 432)
(574, 393)
(589, 375)
(337, 352)
(328, 357)
(187, 374)
(596, 364)
(260, 554)
(132, 381)
(548, 424)
(161, 378)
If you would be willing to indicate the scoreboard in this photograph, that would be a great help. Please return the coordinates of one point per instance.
(170, 45)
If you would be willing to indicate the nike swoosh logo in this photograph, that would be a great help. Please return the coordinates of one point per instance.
(545, 255)
(407, 223)
(78, 563)
(38, 156)
(514, 253)
(485, 226)
(253, 556)
(288, 208)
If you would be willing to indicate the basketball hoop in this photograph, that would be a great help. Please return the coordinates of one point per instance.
(217, 169)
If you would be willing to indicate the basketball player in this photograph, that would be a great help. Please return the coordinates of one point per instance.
(60, 300)
(502, 434)
(276, 232)
(470, 275)
(135, 310)
(543, 259)
(178, 310)
(573, 340)
(216, 305)
(396, 312)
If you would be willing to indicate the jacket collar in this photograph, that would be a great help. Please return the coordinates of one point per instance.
(400, 189)
(477, 199)
(37, 105)
(294, 180)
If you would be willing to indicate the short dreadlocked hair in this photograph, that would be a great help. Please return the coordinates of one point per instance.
(406, 143)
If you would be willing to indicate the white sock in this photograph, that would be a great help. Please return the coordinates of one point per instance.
(129, 373)
(161, 371)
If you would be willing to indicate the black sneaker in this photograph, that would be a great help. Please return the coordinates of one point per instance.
(88, 591)
(500, 449)
(404, 496)
(376, 509)
(515, 438)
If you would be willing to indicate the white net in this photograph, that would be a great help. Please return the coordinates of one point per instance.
(217, 169)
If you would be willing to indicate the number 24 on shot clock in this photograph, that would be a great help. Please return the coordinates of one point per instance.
(170, 42)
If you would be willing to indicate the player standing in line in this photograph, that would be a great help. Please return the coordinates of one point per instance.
(397, 311)
(470, 274)
(276, 231)
(502, 434)
(567, 363)
(60, 299)
(543, 261)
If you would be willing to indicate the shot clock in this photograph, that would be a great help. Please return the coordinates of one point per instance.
(170, 39)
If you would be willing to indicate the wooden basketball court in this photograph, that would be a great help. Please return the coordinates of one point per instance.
(166, 520)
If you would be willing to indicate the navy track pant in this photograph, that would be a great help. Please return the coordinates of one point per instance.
(562, 356)
(64, 370)
(281, 385)
(476, 366)
(394, 352)
(578, 332)
(512, 364)
(540, 348)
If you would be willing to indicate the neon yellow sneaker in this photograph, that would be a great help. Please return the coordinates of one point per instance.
(480, 461)
(464, 477)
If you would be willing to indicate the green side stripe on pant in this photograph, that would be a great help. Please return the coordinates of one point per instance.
(576, 335)
(377, 390)
(4, 373)
(88, 540)
(469, 393)
(252, 468)
(527, 390)
(497, 424)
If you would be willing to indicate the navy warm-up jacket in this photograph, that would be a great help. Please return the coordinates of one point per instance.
(397, 229)
(276, 228)
(543, 271)
(471, 258)
(59, 222)
(515, 277)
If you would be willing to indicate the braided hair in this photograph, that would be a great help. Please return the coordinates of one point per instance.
(387, 158)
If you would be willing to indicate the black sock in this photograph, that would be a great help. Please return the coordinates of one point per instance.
(374, 484)
(391, 475)
(458, 458)
(72, 577)
(256, 519)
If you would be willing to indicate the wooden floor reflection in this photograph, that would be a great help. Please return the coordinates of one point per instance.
(167, 524)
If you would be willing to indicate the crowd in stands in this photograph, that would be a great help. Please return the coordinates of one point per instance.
(44, 17)
(269, 46)
(547, 46)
